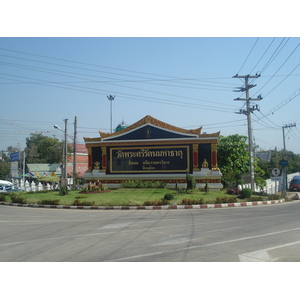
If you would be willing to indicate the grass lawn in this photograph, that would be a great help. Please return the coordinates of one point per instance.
(122, 196)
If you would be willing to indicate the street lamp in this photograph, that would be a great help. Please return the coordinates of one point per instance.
(64, 178)
(111, 98)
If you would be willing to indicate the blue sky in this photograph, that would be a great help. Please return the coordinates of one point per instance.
(186, 82)
(49, 74)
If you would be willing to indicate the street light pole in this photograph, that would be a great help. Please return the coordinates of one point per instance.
(64, 180)
(111, 98)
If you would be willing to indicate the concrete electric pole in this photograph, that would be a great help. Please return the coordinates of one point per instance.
(249, 109)
(64, 180)
(74, 157)
(285, 167)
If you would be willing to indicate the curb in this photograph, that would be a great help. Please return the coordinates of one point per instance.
(200, 206)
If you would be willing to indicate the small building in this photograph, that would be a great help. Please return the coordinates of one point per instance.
(81, 160)
(43, 170)
(153, 150)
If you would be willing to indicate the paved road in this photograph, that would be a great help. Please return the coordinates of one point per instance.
(257, 233)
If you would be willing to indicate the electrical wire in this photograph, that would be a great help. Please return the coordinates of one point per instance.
(280, 68)
(263, 54)
(248, 55)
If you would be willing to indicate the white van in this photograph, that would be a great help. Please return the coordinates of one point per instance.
(5, 183)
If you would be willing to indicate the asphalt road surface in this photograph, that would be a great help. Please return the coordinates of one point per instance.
(246, 234)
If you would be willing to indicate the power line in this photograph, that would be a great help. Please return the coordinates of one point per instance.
(280, 68)
(263, 55)
(283, 80)
(131, 96)
(274, 55)
(248, 55)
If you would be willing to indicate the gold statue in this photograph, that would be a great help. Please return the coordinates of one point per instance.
(205, 164)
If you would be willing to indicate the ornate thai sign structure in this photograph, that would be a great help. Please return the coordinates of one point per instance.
(154, 150)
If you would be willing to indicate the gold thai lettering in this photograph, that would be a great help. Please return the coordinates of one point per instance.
(133, 162)
(146, 153)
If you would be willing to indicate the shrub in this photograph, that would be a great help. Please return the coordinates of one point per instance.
(49, 201)
(274, 197)
(192, 201)
(246, 193)
(225, 200)
(210, 201)
(256, 198)
(168, 196)
(233, 191)
(156, 202)
(63, 190)
(143, 184)
(2, 197)
(206, 188)
(191, 182)
(18, 198)
(78, 202)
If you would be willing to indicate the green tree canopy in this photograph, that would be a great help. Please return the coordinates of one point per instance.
(276, 156)
(43, 149)
(233, 161)
(233, 158)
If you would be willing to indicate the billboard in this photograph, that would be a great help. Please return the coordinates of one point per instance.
(15, 156)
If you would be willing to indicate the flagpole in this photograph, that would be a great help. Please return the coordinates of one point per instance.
(24, 154)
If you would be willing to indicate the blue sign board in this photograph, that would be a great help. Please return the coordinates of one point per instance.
(15, 156)
(283, 163)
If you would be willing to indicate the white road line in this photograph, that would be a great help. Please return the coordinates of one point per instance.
(202, 246)
(262, 254)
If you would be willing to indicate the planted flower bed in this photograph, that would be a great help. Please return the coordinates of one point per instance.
(94, 189)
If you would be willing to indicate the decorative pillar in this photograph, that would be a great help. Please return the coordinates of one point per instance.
(214, 159)
(195, 157)
(90, 160)
(104, 159)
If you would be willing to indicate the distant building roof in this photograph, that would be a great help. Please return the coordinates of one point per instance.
(44, 169)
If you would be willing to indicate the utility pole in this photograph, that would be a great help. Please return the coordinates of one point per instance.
(64, 180)
(285, 168)
(283, 127)
(111, 98)
(74, 155)
(249, 109)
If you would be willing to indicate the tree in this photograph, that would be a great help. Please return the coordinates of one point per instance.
(5, 164)
(43, 149)
(233, 161)
(276, 156)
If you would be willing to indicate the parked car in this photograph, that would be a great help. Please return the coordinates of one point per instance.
(295, 184)
(10, 189)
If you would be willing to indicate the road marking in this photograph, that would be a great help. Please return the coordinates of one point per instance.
(116, 225)
(181, 239)
(202, 246)
(262, 254)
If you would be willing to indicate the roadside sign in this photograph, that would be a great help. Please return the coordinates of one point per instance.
(15, 156)
(275, 172)
(283, 162)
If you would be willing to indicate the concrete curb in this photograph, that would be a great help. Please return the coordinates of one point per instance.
(223, 205)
